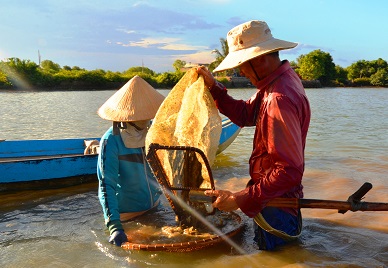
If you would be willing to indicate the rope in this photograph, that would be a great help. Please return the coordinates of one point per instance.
(259, 219)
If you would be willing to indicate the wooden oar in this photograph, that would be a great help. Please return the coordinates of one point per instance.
(354, 202)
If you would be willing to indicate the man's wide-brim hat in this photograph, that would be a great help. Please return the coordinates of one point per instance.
(136, 100)
(250, 40)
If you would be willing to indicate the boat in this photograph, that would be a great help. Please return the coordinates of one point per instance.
(45, 164)
(50, 164)
(229, 133)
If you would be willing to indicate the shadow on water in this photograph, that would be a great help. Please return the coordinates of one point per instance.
(30, 198)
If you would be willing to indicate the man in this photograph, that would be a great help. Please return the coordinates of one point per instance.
(281, 113)
(127, 187)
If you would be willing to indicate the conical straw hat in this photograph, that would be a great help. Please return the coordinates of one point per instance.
(136, 100)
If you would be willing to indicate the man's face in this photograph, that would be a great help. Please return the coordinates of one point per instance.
(254, 69)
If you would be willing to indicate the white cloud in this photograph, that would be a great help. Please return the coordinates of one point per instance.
(165, 43)
(182, 47)
(126, 31)
(147, 42)
(199, 57)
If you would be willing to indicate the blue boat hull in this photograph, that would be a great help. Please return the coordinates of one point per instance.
(229, 133)
(34, 164)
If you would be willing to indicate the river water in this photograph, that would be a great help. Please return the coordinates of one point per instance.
(347, 145)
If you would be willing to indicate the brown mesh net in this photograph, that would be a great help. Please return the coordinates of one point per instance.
(188, 117)
(185, 187)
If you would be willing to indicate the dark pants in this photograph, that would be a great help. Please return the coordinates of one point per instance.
(279, 220)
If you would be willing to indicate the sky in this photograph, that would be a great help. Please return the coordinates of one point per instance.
(116, 35)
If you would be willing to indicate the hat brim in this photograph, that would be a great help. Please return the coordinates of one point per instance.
(236, 58)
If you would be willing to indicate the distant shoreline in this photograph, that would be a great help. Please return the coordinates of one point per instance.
(229, 82)
(243, 82)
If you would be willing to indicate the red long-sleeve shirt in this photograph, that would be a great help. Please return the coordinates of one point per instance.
(281, 113)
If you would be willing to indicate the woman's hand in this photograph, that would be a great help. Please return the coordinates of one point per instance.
(118, 237)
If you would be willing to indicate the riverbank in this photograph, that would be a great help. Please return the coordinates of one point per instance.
(229, 82)
(243, 82)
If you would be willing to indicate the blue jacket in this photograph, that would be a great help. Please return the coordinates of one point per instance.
(126, 183)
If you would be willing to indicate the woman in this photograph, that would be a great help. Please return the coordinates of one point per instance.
(127, 187)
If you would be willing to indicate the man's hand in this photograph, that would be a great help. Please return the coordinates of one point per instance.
(207, 76)
(118, 237)
(225, 200)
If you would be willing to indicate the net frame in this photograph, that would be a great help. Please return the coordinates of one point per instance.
(158, 170)
(161, 176)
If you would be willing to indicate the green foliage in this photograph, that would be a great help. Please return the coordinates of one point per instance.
(20, 73)
(4, 83)
(50, 67)
(151, 79)
(93, 78)
(317, 65)
(178, 65)
(168, 80)
(114, 77)
(362, 82)
(220, 56)
(380, 78)
(22, 66)
(358, 69)
(340, 76)
(223, 80)
(212, 66)
(294, 64)
(17, 73)
(138, 70)
(71, 74)
(368, 69)
(25, 74)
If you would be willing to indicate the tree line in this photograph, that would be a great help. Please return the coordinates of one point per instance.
(319, 66)
(26, 74)
(316, 65)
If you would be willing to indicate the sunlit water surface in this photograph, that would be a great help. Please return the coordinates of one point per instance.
(347, 146)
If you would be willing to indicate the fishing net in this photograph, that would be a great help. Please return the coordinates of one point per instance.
(188, 117)
(199, 225)
(181, 145)
(188, 126)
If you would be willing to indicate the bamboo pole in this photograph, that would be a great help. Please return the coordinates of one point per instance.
(353, 203)
(327, 204)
